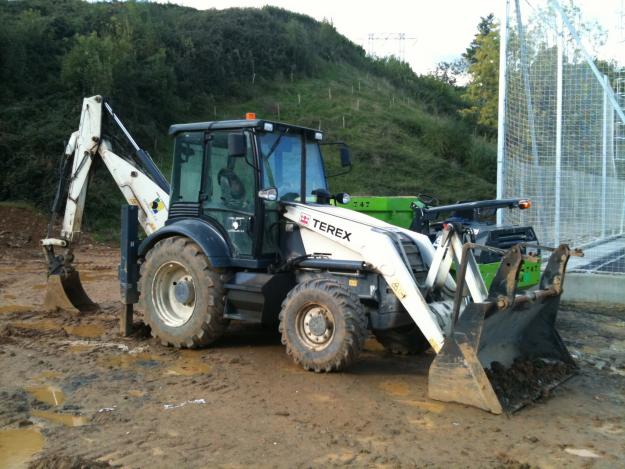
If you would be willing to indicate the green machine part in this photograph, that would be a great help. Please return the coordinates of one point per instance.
(398, 211)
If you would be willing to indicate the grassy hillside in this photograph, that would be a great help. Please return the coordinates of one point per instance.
(162, 64)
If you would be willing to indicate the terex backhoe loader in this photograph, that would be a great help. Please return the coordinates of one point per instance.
(247, 232)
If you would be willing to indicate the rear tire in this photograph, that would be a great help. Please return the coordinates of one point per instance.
(182, 295)
(323, 325)
(405, 340)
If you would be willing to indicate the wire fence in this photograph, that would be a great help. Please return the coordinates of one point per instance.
(562, 133)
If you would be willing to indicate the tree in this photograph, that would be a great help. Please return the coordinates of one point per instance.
(448, 72)
(484, 27)
(483, 58)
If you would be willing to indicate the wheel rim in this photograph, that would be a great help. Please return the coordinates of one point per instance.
(315, 326)
(173, 294)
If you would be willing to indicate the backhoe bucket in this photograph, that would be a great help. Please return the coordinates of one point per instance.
(65, 291)
(505, 352)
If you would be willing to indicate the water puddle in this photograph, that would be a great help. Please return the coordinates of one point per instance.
(15, 309)
(189, 363)
(79, 348)
(63, 419)
(17, 446)
(51, 395)
(87, 331)
(49, 325)
(46, 325)
(126, 361)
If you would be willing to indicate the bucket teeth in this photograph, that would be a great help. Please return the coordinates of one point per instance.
(505, 352)
(65, 292)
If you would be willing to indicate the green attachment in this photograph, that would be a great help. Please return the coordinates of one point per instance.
(528, 276)
(396, 210)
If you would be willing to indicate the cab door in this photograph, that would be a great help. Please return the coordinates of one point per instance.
(228, 191)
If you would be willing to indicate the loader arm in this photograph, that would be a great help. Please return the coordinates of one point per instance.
(380, 251)
(137, 177)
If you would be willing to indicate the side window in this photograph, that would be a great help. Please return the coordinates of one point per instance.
(230, 181)
(187, 170)
(282, 164)
(315, 174)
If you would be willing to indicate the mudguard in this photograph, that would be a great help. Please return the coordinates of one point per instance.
(206, 236)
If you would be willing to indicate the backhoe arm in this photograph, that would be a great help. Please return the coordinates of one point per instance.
(138, 178)
(150, 192)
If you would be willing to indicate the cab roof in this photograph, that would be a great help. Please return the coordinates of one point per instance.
(233, 124)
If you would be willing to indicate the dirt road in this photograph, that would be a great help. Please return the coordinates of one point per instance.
(73, 391)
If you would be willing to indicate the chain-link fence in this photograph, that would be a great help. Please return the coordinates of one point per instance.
(562, 132)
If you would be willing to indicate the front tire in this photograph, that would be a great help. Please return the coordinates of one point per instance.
(323, 325)
(182, 295)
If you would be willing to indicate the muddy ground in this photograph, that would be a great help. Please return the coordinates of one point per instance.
(73, 393)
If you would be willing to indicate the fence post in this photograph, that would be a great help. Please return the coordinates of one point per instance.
(560, 52)
(501, 137)
(604, 163)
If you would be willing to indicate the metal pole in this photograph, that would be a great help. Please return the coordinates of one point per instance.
(560, 52)
(501, 113)
(604, 169)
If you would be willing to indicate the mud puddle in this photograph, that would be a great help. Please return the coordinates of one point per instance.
(51, 395)
(186, 363)
(18, 446)
(8, 309)
(86, 331)
(67, 420)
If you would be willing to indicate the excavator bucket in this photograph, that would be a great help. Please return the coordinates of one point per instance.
(504, 353)
(65, 291)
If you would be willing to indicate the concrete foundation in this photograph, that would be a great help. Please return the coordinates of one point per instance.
(595, 288)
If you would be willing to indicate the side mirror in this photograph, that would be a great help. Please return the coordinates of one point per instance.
(271, 194)
(237, 145)
(342, 198)
(346, 156)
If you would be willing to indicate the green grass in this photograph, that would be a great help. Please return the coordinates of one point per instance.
(398, 148)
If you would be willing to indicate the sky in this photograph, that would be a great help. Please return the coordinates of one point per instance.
(435, 30)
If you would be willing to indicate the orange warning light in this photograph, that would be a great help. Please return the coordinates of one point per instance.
(525, 203)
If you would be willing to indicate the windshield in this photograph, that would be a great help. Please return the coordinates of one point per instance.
(281, 160)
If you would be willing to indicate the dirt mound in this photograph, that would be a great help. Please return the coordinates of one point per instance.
(526, 380)
(21, 226)
(67, 462)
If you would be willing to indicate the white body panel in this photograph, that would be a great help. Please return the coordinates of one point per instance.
(344, 234)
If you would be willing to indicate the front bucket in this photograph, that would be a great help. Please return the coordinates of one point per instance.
(65, 291)
(505, 352)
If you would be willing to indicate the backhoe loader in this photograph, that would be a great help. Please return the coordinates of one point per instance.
(246, 231)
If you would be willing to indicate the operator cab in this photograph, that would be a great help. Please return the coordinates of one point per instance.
(233, 174)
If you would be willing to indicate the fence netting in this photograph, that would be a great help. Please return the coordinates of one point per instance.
(563, 135)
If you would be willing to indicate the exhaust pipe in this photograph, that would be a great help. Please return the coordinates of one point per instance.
(505, 353)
